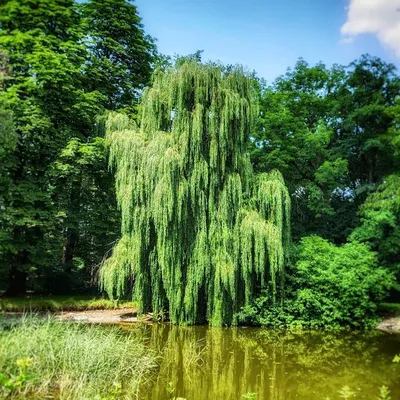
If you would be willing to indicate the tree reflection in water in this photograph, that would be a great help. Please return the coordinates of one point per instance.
(236, 363)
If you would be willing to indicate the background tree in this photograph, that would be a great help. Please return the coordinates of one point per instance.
(8, 141)
(55, 92)
(362, 121)
(328, 132)
(40, 42)
(120, 54)
(87, 209)
(294, 136)
(118, 63)
(380, 224)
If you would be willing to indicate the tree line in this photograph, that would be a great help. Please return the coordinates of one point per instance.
(64, 64)
(333, 133)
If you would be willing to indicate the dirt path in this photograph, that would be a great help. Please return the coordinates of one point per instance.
(118, 316)
(390, 325)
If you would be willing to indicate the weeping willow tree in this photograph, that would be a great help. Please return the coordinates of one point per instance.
(201, 234)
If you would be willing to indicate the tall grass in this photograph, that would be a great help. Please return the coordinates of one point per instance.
(72, 361)
(59, 303)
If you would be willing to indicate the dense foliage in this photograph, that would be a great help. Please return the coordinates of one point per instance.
(206, 248)
(328, 286)
(200, 232)
(332, 134)
(58, 55)
(380, 222)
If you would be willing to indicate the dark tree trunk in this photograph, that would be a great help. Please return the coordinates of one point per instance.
(18, 276)
(69, 250)
(72, 233)
(17, 286)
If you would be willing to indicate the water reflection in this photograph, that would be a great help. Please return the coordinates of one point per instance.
(238, 363)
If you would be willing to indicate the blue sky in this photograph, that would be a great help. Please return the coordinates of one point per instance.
(270, 35)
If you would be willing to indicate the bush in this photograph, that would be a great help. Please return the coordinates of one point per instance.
(328, 286)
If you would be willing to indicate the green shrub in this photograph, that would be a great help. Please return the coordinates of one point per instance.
(328, 286)
(40, 357)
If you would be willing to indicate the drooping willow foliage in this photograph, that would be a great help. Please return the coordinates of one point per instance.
(200, 232)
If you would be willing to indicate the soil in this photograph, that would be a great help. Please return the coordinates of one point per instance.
(390, 325)
(118, 316)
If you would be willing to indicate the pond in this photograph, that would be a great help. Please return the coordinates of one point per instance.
(254, 363)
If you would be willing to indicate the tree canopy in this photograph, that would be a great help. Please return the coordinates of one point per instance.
(331, 134)
(200, 232)
(61, 68)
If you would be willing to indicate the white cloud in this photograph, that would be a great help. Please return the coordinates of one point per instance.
(379, 17)
(347, 39)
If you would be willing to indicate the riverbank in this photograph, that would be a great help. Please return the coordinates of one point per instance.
(97, 310)
(82, 308)
(390, 313)
(390, 325)
(117, 316)
(129, 315)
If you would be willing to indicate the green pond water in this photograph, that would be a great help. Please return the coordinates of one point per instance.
(253, 363)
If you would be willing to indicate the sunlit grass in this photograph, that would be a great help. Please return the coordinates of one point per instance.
(70, 361)
(59, 303)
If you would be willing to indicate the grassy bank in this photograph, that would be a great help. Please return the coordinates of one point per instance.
(59, 303)
(41, 358)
